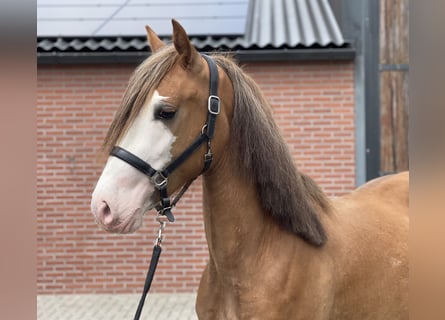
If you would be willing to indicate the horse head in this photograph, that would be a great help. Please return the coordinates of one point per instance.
(165, 110)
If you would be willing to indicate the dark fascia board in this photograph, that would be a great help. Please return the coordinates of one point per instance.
(72, 58)
(322, 54)
(272, 55)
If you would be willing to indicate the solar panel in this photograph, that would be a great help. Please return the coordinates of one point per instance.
(128, 17)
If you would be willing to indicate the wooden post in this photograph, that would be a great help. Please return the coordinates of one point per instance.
(394, 68)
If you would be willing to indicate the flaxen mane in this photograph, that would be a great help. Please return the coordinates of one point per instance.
(292, 198)
(145, 79)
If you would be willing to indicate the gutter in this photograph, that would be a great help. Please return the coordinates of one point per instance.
(263, 55)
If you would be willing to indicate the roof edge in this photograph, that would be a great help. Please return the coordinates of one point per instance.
(309, 54)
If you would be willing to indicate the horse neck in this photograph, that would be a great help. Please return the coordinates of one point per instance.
(235, 224)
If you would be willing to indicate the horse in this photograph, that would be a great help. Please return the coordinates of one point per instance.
(279, 247)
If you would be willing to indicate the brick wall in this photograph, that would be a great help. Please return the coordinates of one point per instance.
(313, 104)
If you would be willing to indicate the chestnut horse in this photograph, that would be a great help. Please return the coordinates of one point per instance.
(279, 248)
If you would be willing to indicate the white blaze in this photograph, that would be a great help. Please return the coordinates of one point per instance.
(148, 138)
(126, 190)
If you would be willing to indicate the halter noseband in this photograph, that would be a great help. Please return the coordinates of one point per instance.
(159, 178)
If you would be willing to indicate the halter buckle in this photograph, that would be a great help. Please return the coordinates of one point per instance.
(214, 105)
(159, 180)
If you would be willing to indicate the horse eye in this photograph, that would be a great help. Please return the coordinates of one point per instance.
(165, 113)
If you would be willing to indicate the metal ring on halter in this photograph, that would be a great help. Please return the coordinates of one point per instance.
(165, 209)
(159, 180)
(204, 129)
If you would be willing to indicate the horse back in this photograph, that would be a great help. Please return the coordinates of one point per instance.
(393, 189)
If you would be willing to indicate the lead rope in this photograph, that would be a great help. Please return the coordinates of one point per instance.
(157, 249)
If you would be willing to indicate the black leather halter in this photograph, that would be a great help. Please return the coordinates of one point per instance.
(159, 178)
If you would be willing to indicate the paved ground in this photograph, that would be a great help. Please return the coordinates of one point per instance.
(115, 307)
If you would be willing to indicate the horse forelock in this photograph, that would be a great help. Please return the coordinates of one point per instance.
(293, 199)
(146, 77)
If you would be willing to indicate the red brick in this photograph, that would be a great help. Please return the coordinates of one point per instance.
(313, 105)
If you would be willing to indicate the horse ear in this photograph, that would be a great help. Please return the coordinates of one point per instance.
(153, 40)
(190, 58)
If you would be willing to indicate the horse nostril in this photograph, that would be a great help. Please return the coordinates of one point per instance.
(105, 213)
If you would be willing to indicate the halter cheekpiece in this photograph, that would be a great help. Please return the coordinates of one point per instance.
(159, 178)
